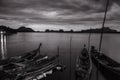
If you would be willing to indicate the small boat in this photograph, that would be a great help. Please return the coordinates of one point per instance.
(33, 69)
(83, 66)
(32, 55)
(25, 57)
(6, 76)
(109, 68)
(36, 69)
(39, 69)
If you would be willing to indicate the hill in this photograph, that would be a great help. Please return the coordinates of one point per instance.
(8, 29)
(25, 29)
(98, 30)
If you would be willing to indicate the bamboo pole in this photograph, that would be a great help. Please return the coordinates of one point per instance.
(89, 40)
(58, 55)
(101, 37)
(70, 58)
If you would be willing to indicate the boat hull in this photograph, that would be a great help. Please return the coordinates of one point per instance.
(83, 66)
(108, 72)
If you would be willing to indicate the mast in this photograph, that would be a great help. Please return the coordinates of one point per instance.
(89, 40)
(103, 25)
(70, 58)
(101, 36)
(58, 51)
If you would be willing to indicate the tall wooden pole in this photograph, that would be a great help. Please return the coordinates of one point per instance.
(102, 31)
(58, 55)
(89, 40)
(70, 58)
(103, 25)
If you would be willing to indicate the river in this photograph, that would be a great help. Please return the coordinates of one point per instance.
(20, 43)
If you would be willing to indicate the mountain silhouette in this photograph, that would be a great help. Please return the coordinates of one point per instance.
(25, 29)
(8, 29)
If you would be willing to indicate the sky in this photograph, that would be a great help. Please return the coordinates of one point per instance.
(59, 14)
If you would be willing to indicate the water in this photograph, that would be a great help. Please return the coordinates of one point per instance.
(20, 43)
(3, 45)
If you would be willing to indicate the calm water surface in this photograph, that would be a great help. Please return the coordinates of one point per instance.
(20, 43)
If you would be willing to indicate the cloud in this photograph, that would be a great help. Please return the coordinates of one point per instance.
(87, 12)
(112, 14)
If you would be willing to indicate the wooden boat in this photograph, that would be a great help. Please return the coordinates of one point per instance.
(109, 68)
(6, 76)
(83, 65)
(33, 69)
(20, 71)
(32, 55)
(39, 68)
(26, 56)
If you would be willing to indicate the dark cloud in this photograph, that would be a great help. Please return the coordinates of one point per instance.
(57, 11)
(83, 5)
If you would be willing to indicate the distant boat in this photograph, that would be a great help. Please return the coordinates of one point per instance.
(109, 67)
(83, 66)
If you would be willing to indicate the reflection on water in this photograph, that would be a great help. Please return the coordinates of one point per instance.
(3, 45)
(20, 43)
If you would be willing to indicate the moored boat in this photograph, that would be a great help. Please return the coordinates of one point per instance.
(39, 69)
(29, 56)
(83, 66)
(35, 69)
(31, 65)
(109, 68)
